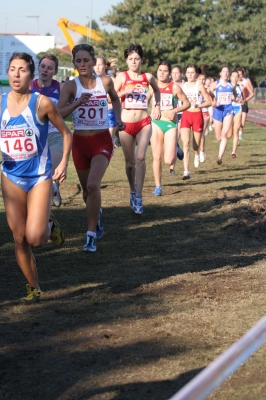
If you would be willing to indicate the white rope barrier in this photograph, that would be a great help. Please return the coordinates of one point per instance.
(224, 365)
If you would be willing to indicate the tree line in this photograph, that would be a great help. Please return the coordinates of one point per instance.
(204, 32)
(209, 33)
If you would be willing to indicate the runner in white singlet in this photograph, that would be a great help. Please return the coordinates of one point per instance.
(177, 77)
(86, 98)
(206, 118)
(192, 119)
(237, 111)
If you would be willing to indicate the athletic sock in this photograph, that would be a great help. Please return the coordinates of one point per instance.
(90, 233)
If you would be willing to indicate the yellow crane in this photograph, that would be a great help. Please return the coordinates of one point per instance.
(65, 24)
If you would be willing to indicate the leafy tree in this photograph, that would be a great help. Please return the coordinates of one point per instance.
(184, 31)
(172, 29)
(96, 27)
(237, 34)
(63, 58)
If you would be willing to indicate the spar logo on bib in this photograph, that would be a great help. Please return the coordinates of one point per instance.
(28, 132)
(139, 89)
(103, 103)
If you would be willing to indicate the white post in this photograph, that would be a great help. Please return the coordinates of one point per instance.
(90, 21)
(223, 366)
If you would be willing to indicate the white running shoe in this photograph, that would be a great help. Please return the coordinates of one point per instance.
(202, 156)
(196, 161)
(185, 176)
(210, 128)
(56, 198)
(240, 135)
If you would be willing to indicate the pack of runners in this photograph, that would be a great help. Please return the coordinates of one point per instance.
(36, 143)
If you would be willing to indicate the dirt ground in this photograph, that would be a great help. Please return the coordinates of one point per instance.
(164, 295)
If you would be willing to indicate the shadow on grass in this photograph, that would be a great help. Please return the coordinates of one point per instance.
(77, 373)
(161, 390)
(137, 250)
(106, 287)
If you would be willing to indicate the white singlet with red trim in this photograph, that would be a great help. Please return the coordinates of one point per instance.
(192, 92)
(92, 115)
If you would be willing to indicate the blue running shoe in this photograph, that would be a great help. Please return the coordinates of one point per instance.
(90, 245)
(179, 152)
(138, 207)
(132, 199)
(99, 226)
(157, 191)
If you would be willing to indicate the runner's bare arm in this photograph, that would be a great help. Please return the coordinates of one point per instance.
(206, 97)
(66, 104)
(119, 83)
(250, 88)
(110, 89)
(179, 94)
(157, 96)
(48, 110)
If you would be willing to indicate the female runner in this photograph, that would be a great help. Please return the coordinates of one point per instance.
(206, 119)
(223, 109)
(177, 78)
(132, 87)
(86, 98)
(26, 168)
(237, 112)
(101, 69)
(192, 119)
(46, 85)
(248, 94)
(164, 130)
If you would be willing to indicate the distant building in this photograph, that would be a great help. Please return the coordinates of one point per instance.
(31, 44)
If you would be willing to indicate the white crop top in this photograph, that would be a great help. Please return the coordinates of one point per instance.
(93, 114)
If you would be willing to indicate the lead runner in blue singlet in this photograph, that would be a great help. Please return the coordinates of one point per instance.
(86, 98)
(26, 169)
(225, 93)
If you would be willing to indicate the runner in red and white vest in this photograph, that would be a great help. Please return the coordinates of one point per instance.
(133, 87)
(192, 119)
(86, 98)
(164, 130)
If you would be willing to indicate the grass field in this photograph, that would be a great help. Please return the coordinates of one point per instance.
(165, 293)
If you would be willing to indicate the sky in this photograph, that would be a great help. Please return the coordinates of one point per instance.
(14, 15)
